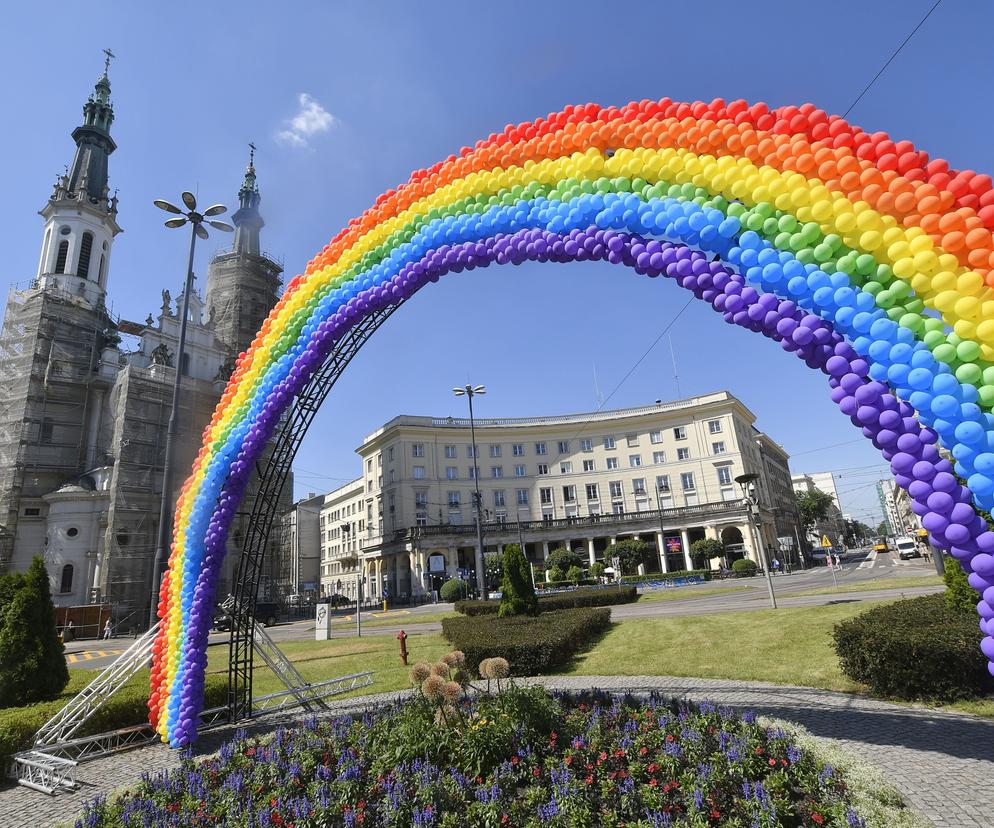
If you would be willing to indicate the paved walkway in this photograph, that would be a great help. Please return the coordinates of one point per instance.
(943, 762)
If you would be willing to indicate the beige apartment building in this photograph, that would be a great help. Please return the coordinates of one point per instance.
(664, 473)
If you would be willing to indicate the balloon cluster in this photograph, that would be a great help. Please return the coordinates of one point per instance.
(867, 259)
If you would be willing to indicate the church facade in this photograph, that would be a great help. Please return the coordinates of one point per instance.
(85, 397)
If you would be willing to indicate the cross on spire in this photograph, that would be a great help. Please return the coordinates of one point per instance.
(110, 55)
(251, 154)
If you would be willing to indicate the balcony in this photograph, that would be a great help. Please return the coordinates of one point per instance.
(627, 522)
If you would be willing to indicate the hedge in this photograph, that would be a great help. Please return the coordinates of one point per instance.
(129, 706)
(744, 566)
(453, 589)
(560, 600)
(667, 576)
(532, 645)
(919, 648)
(564, 584)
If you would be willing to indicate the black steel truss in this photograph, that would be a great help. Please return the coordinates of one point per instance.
(265, 508)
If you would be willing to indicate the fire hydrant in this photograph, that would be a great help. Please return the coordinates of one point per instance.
(402, 638)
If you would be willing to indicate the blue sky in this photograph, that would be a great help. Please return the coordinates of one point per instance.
(392, 86)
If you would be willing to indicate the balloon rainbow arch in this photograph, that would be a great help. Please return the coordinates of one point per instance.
(868, 260)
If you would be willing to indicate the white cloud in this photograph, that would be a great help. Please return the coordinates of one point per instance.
(312, 119)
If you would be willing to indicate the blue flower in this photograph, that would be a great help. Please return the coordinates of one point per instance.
(854, 820)
(549, 810)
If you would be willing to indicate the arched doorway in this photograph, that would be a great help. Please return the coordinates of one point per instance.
(731, 537)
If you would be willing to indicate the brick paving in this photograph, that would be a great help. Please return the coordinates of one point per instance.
(942, 762)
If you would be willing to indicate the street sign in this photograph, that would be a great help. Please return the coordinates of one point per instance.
(825, 542)
(786, 542)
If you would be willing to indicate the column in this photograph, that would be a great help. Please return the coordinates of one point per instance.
(545, 550)
(591, 554)
(685, 543)
(664, 564)
(451, 561)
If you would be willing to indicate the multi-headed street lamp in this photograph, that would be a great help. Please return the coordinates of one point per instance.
(196, 221)
(748, 485)
(470, 391)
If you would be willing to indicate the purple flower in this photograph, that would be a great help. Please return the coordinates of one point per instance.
(424, 817)
(793, 754)
(854, 820)
(698, 798)
(549, 810)
(826, 774)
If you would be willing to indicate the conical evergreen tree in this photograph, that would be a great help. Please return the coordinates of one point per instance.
(518, 592)
(32, 661)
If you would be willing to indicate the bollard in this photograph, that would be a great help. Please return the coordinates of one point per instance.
(402, 638)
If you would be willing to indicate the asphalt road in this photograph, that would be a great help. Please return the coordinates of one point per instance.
(859, 568)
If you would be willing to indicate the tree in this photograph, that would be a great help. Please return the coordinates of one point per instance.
(813, 505)
(563, 559)
(574, 575)
(32, 660)
(518, 592)
(597, 570)
(493, 565)
(554, 574)
(706, 549)
(455, 589)
(630, 553)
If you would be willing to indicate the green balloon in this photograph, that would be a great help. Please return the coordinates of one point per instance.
(811, 232)
(913, 322)
(933, 339)
(787, 223)
(945, 353)
(986, 395)
(969, 373)
(968, 351)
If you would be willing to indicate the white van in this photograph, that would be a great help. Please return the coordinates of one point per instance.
(906, 548)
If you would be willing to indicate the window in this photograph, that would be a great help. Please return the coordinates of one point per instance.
(545, 496)
(569, 494)
(60, 259)
(638, 486)
(618, 508)
(655, 437)
(683, 454)
(658, 457)
(72, 531)
(725, 475)
(543, 468)
(451, 473)
(540, 448)
(499, 497)
(417, 449)
(615, 488)
(47, 430)
(453, 500)
(518, 450)
(421, 519)
(588, 465)
(679, 433)
(609, 442)
(495, 451)
(687, 481)
(450, 452)
(32, 511)
(421, 499)
(496, 471)
(369, 464)
(379, 460)
(521, 496)
(471, 473)
(66, 583)
(563, 447)
(390, 454)
(471, 452)
(634, 460)
(632, 440)
(612, 462)
(586, 444)
(714, 426)
(662, 483)
(592, 493)
(566, 468)
(85, 248)
(418, 472)
(519, 470)
(718, 448)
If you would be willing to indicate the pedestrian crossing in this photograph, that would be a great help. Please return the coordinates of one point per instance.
(89, 655)
(873, 559)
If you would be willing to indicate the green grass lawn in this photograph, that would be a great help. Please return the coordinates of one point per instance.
(391, 619)
(871, 586)
(684, 594)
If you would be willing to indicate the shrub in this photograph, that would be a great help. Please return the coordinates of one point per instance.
(562, 559)
(454, 589)
(531, 645)
(706, 549)
(959, 594)
(553, 575)
(667, 576)
(517, 590)
(744, 567)
(560, 600)
(574, 575)
(565, 584)
(631, 553)
(919, 648)
(32, 661)
(597, 570)
(129, 706)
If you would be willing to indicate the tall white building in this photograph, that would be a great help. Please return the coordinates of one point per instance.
(832, 525)
(664, 472)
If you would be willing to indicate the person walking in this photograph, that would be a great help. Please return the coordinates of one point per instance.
(776, 566)
(108, 630)
(69, 634)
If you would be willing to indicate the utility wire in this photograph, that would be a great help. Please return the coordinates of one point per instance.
(891, 58)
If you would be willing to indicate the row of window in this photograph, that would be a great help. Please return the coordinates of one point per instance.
(563, 446)
(688, 483)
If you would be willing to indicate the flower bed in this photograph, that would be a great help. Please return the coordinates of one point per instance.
(519, 757)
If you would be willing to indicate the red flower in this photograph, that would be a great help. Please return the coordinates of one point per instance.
(504, 819)
(514, 761)
(567, 761)
(272, 802)
(715, 814)
(643, 751)
(536, 772)
(589, 780)
(653, 783)
(669, 737)
(250, 752)
(653, 767)
(773, 763)
(817, 818)
(759, 751)
(603, 756)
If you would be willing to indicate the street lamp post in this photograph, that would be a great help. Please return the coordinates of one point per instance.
(470, 391)
(747, 482)
(663, 560)
(197, 228)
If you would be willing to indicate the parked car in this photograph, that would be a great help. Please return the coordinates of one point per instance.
(907, 548)
(268, 612)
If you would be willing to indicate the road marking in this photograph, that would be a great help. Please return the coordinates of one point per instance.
(869, 562)
(89, 655)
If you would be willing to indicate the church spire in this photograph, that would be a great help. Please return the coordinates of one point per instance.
(86, 179)
(248, 222)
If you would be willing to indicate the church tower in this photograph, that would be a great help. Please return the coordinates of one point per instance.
(55, 341)
(243, 283)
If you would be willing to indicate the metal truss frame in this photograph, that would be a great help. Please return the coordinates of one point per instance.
(265, 508)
